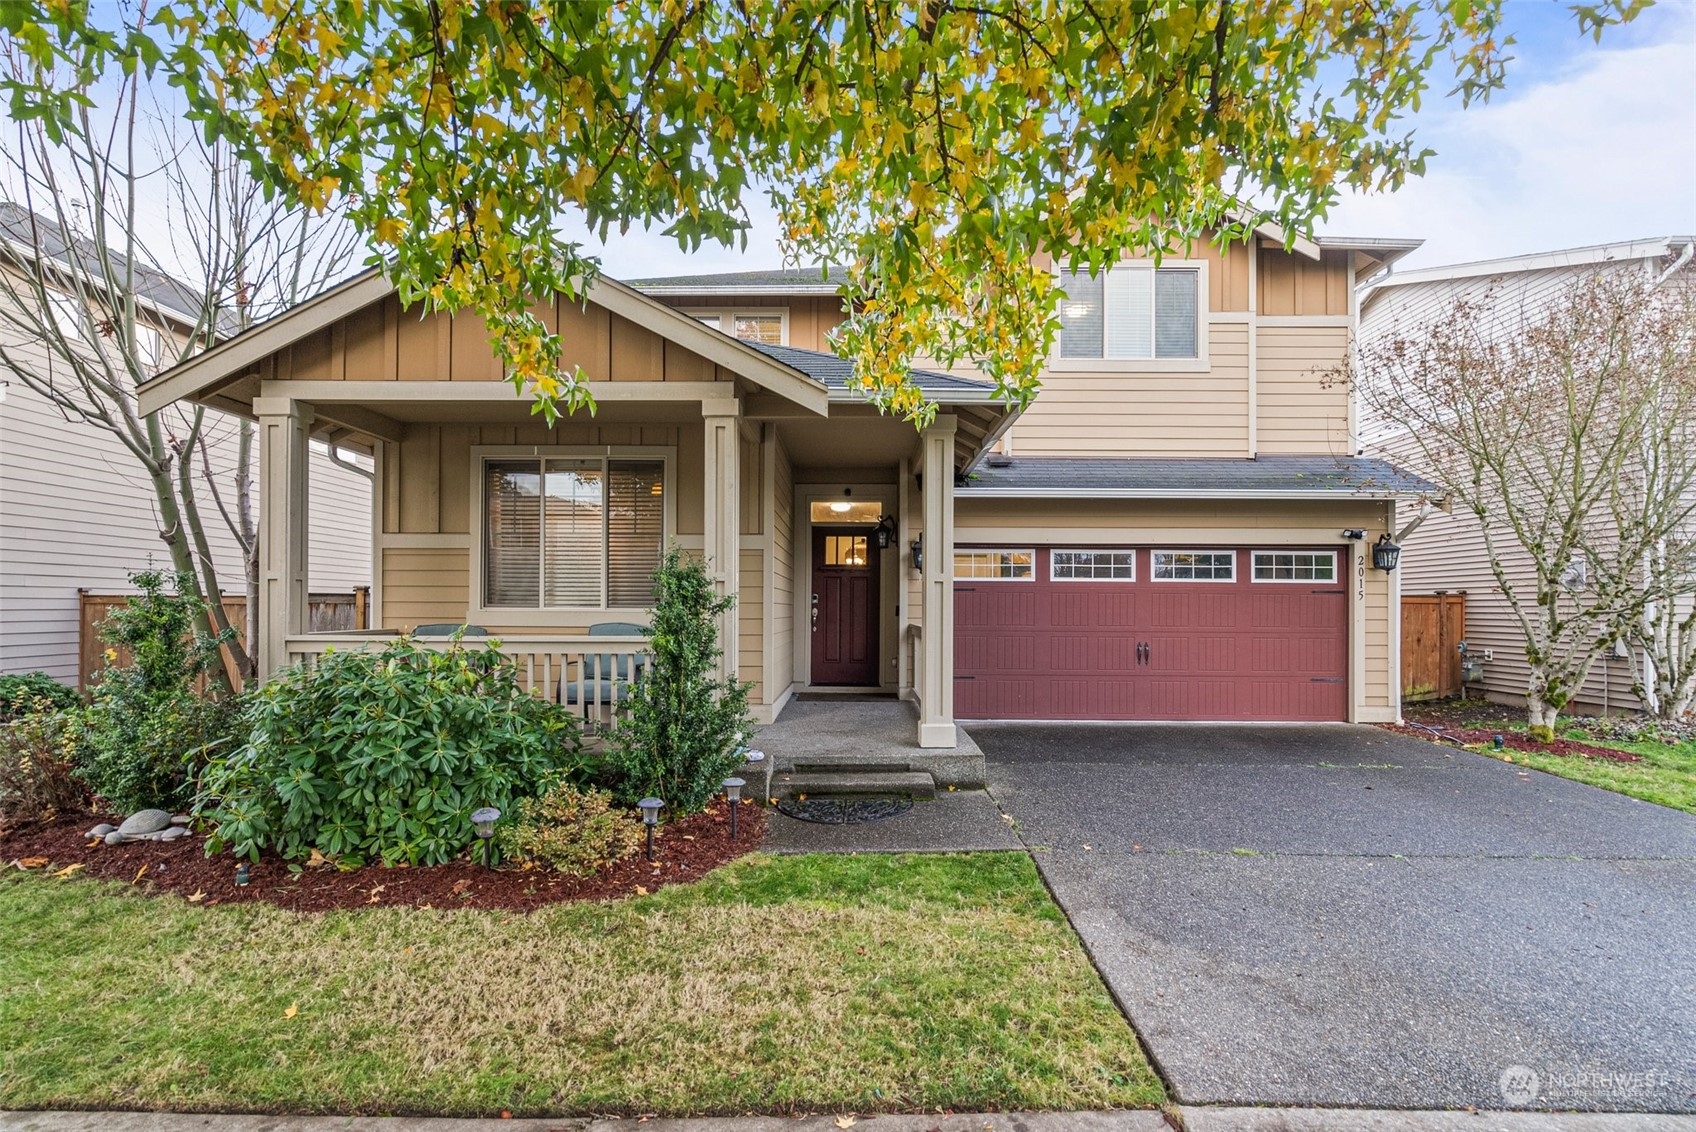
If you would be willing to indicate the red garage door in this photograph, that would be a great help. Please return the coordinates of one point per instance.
(1150, 633)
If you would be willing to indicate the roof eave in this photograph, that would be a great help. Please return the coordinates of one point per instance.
(1184, 493)
(734, 290)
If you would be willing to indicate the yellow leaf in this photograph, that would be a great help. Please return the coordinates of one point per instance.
(846, 1121)
(32, 862)
(196, 896)
(68, 870)
(294, 1008)
(640, 891)
(139, 873)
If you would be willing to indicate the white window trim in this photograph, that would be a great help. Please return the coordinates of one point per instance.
(1254, 563)
(1091, 550)
(959, 550)
(730, 313)
(558, 615)
(1154, 573)
(1201, 363)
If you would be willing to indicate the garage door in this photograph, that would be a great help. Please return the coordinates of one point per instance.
(1173, 633)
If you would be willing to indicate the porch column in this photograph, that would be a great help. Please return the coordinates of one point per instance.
(936, 703)
(284, 427)
(722, 521)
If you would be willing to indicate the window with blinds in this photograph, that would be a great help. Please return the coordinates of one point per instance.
(1130, 313)
(750, 326)
(582, 533)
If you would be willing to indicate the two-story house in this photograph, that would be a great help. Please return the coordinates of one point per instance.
(1180, 527)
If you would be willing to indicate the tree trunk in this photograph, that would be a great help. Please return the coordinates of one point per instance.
(1541, 715)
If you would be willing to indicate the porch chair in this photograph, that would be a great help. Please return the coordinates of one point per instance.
(606, 676)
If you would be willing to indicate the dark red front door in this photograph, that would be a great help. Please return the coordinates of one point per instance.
(1039, 647)
(844, 610)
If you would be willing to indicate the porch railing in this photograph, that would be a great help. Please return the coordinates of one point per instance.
(591, 676)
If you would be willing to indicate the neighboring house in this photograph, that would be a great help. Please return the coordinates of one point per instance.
(1178, 528)
(78, 514)
(1446, 552)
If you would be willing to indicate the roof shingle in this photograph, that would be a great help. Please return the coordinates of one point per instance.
(1174, 477)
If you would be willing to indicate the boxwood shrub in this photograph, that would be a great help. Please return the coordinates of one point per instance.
(384, 754)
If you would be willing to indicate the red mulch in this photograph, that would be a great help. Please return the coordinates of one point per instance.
(1514, 741)
(684, 850)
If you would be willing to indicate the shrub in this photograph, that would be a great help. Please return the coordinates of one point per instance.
(33, 692)
(38, 764)
(684, 726)
(385, 754)
(572, 830)
(150, 729)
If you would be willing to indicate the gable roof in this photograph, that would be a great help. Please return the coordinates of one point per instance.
(28, 234)
(236, 356)
(1662, 247)
(787, 280)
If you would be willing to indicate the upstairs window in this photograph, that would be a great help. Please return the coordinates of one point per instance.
(767, 326)
(1130, 313)
(583, 533)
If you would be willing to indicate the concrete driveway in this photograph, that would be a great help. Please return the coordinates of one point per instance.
(1337, 915)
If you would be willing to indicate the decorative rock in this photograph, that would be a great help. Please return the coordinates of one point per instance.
(145, 821)
(174, 832)
(100, 830)
(181, 819)
(114, 838)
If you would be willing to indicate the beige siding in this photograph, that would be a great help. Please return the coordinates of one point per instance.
(425, 585)
(384, 343)
(1131, 412)
(782, 598)
(1303, 402)
(750, 625)
(1021, 522)
(1292, 284)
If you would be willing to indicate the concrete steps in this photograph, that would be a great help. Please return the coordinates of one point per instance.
(853, 780)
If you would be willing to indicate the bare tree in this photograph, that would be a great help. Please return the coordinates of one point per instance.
(1564, 432)
(87, 313)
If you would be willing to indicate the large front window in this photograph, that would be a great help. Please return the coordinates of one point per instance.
(1130, 313)
(572, 532)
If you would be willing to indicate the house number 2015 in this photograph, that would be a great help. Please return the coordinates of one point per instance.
(1360, 575)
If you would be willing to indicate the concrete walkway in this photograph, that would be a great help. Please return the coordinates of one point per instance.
(958, 821)
(878, 731)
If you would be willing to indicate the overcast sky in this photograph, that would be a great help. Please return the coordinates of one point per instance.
(1588, 144)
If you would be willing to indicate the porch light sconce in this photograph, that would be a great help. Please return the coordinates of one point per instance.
(919, 553)
(885, 532)
(733, 795)
(483, 823)
(1385, 554)
(650, 808)
(1354, 534)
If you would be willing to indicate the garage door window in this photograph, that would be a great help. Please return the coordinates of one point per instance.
(995, 565)
(1295, 566)
(1092, 565)
(1195, 565)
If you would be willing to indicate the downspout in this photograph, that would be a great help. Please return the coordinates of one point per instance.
(336, 457)
(1678, 264)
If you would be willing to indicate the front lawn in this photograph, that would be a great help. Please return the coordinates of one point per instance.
(1666, 774)
(773, 985)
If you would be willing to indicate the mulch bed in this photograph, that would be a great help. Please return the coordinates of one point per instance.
(1513, 741)
(684, 850)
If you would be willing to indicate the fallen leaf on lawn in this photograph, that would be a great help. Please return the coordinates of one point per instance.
(196, 896)
(294, 1008)
(68, 870)
(846, 1122)
(640, 891)
(31, 862)
(139, 873)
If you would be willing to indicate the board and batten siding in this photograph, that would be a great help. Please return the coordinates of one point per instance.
(1224, 523)
(77, 512)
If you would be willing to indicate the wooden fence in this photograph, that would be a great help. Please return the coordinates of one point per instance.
(328, 613)
(1432, 625)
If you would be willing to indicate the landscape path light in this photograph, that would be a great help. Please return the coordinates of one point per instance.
(733, 794)
(650, 808)
(483, 822)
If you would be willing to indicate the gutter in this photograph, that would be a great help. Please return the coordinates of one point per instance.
(1312, 496)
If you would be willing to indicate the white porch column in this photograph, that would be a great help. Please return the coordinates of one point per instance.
(284, 427)
(722, 526)
(936, 703)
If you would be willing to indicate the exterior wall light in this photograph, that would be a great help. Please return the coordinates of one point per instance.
(733, 795)
(483, 823)
(650, 808)
(919, 553)
(1385, 554)
(1354, 534)
(885, 532)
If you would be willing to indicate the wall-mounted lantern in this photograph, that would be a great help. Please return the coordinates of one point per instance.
(885, 532)
(1385, 554)
(919, 553)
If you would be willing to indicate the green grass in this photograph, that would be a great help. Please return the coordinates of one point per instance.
(1665, 776)
(775, 984)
